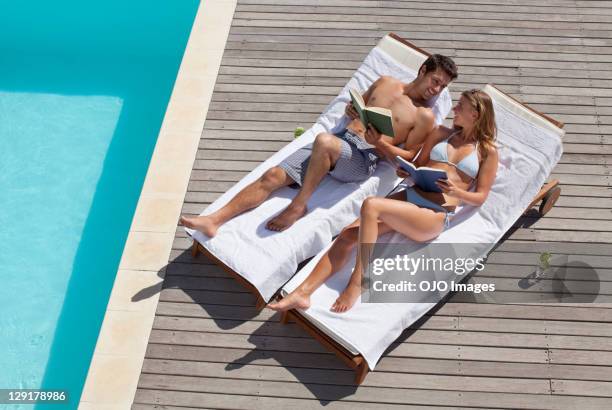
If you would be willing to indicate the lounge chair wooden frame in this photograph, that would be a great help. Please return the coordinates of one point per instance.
(547, 197)
(197, 248)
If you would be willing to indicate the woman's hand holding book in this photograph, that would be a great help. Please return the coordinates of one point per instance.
(401, 173)
(448, 187)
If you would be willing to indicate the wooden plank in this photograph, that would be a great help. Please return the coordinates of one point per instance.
(572, 236)
(397, 23)
(507, 8)
(244, 28)
(580, 357)
(322, 44)
(564, 248)
(201, 270)
(419, 17)
(343, 377)
(569, 312)
(233, 155)
(566, 211)
(361, 27)
(518, 272)
(240, 356)
(422, 335)
(223, 138)
(441, 45)
(205, 310)
(222, 401)
(549, 327)
(593, 287)
(188, 282)
(586, 158)
(211, 175)
(333, 396)
(502, 258)
(387, 364)
(571, 224)
(581, 180)
(139, 406)
(210, 186)
(582, 388)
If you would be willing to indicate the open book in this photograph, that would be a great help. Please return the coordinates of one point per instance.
(423, 177)
(380, 118)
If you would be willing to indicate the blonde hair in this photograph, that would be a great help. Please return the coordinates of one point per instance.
(485, 129)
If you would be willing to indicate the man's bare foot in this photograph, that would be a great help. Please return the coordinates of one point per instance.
(295, 300)
(347, 298)
(286, 218)
(203, 224)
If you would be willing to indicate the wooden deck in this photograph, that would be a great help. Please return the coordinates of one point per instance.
(210, 348)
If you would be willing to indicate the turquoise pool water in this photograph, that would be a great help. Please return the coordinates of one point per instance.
(83, 90)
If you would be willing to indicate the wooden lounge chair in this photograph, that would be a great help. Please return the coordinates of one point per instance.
(349, 353)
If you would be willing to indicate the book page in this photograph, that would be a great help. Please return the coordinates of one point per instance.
(359, 106)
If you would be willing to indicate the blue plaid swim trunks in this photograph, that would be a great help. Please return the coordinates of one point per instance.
(357, 161)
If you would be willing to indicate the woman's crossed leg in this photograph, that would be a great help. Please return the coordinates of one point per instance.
(378, 216)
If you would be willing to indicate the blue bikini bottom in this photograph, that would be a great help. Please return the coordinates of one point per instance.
(414, 197)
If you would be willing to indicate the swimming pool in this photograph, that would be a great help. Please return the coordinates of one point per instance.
(83, 90)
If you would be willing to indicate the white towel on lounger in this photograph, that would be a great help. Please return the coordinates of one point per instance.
(268, 259)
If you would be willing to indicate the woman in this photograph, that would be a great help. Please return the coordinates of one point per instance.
(467, 153)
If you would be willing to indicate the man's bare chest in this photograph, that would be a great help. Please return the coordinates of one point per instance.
(394, 99)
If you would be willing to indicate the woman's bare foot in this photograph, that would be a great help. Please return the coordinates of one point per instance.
(286, 218)
(203, 224)
(295, 300)
(347, 298)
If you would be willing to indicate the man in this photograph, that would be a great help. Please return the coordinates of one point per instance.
(350, 156)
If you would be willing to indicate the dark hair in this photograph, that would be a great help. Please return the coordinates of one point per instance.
(436, 61)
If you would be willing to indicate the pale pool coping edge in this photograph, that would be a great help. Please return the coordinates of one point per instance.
(117, 361)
